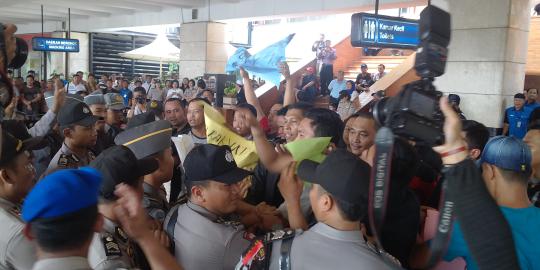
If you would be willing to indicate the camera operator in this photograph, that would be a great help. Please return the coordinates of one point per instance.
(506, 168)
(138, 102)
(485, 234)
(476, 135)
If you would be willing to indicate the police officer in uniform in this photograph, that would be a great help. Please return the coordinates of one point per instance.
(112, 248)
(152, 140)
(339, 199)
(62, 225)
(96, 103)
(17, 176)
(76, 123)
(205, 234)
(115, 114)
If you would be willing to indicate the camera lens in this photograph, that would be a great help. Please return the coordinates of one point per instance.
(21, 53)
(380, 111)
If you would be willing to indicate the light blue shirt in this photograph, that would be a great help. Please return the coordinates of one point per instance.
(337, 86)
(524, 223)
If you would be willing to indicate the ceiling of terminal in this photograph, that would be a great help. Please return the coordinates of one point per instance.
(28, 11)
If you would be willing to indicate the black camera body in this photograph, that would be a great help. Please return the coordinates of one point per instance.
(141, 100)
(414, 112)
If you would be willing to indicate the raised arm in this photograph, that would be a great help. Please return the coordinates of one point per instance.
(289, 97)
(291, 188)
(46, 123)
(272, 160)
(134, 221)
(251, 98)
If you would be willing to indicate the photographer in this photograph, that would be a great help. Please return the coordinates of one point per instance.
(138, 102)
(482, 233)
(506, 167)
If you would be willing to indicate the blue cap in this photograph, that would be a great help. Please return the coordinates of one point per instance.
(61, 193)
(509, 153)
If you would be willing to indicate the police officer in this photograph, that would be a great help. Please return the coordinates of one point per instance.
(96, 103)
(152, 140)
(17, 176)
(339, 199)
(62, 225)
(204, 235)
(112, 248)
(115, 114)
(76, 123)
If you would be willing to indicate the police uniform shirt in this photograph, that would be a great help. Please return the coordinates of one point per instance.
(323, 247)
(64, 263)
(66, 159)
(16, 252)
(111, 249)
(155, 202)
(202, 241)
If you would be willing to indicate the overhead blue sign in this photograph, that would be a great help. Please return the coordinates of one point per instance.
(55, 44)
(370, 30)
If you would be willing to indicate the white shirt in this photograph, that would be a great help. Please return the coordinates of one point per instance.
(365, 97)
(74, 88)
(146, 86)
(175, 91)
(377, 76)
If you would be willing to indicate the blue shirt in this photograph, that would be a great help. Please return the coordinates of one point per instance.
(524, 223)
(127, 95)
(533, 105)
(336, 87)
(517, 121)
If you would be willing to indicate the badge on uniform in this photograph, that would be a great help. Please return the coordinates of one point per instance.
(63, 160)
(91, 155)
(233, 223)
(278, 235)
(111, 246)
(123, 236)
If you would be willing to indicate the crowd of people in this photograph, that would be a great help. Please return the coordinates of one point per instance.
(31, 94)
(84, 186)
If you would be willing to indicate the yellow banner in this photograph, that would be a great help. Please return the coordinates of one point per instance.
(217, 132)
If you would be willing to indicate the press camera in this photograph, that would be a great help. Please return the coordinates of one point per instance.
(414, 112)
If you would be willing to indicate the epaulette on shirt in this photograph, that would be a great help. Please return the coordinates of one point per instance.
(110, 245)
(278, 235)
(67, 161)
(231, 223)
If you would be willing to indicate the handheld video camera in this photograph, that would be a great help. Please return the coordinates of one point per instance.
(414, 112)
(17, 60)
